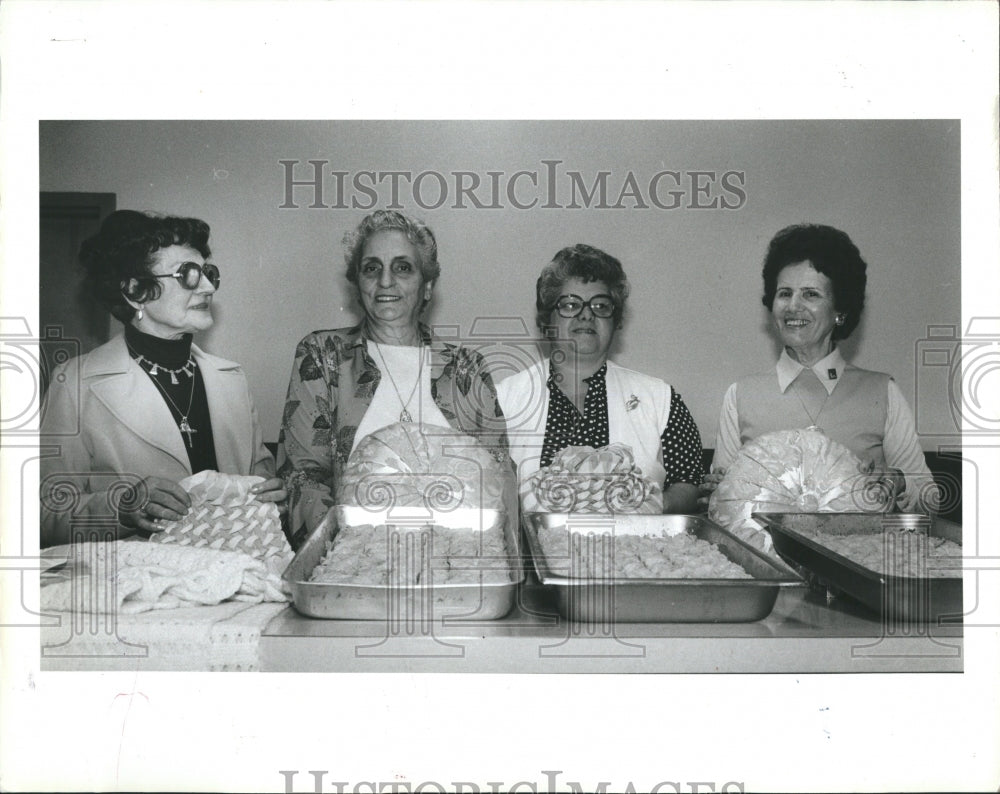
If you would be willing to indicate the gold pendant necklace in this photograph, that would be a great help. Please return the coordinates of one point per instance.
(404, 415)
(814, 420)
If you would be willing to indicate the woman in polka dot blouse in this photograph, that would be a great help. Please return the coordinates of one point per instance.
(578, 397)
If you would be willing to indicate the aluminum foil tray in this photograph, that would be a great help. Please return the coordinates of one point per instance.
(661, 600)
(906, 598)
(458, 601)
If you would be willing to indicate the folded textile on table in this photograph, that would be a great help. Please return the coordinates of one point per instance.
(128, 576)
(225, 515)
(587, 480)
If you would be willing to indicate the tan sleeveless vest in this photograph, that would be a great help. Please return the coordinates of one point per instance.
(854, 414)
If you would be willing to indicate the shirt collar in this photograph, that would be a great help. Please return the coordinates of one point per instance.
(829, 370)
(600, 375)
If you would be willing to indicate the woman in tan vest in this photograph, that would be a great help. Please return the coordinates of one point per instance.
(814, 287)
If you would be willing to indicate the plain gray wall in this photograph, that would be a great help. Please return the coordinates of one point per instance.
(694, 318)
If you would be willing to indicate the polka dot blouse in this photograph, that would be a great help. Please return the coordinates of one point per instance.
(565, 426)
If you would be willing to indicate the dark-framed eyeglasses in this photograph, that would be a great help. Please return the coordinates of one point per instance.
(570, 306)
(189, 274)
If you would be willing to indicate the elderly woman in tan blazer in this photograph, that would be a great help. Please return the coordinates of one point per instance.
(123, 424)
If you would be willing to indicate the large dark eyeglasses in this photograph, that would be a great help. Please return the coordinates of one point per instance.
(570, 306)
(189, 275)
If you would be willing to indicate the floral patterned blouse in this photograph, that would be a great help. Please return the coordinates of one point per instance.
(332, 384)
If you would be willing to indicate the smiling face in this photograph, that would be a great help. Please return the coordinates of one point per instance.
(589, 336)
(390, 280)
(178, 310)
(804, 313)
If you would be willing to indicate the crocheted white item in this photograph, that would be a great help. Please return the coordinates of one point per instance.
(128, 577)
(225, 637)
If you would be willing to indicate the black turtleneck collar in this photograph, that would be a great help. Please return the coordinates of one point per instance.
(171, 353)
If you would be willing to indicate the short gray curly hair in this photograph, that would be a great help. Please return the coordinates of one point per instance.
(416, 231)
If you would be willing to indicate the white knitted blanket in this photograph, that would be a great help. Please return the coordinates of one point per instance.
(225, 637)
(128, 577)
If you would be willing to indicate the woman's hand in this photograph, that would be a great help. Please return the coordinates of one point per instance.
(884, 485)
(160, 500)
(680, 497)
(272, 490)
(708, 485)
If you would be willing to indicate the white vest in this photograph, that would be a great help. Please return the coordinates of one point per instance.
(638, 412)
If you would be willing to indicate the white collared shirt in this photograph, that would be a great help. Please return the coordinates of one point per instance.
(828, 370)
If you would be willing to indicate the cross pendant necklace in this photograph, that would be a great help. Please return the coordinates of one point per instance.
(187, 430)
(183, 425)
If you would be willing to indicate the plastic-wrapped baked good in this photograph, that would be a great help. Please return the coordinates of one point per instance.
(790, 471)
(414, 465)
(588, 480)
(224, 515)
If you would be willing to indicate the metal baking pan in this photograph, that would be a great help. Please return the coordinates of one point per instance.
(660, 600)
(904, 598)
(423, 602)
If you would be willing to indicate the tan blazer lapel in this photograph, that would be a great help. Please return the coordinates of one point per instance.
(229, 408)
(127, 393)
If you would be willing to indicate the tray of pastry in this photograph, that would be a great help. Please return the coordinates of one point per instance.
(905, 566)
(407, 564)
(652, 569)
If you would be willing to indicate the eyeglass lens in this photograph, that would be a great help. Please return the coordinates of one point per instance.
(571, 305)
(190, 274)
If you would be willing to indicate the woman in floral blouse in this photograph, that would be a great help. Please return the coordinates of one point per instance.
(349, 382)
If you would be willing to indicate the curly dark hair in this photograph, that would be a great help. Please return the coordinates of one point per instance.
(830, 252)
(124, 248)
(587, 264)
(416, 231)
